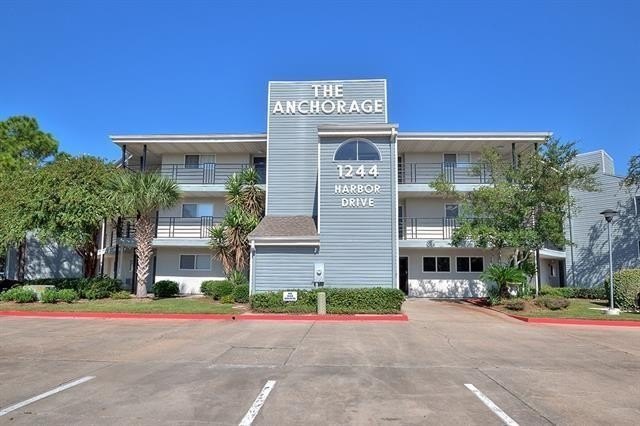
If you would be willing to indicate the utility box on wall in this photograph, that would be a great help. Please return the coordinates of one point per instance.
(318, 274)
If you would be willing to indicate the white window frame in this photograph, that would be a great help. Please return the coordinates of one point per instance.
(470, 271)
(195, 261)
(357, 151)
(436, 271)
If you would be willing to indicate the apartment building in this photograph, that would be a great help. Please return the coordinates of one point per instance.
(348, 201)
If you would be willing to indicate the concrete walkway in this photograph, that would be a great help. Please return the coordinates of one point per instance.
(190, 372)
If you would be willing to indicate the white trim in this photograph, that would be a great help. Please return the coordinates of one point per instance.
(436, 271)
(363, 132)
(195, 261)
(267, 155)
(288, 243)
(386, 109)
(329, 81)
(357, 151)
(395, 200)
(470, 271)
(319, 191)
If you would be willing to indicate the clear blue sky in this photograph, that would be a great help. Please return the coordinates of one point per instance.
(94, 68)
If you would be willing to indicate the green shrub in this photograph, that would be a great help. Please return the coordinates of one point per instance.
(67, 295)
(101, 288)
(626, 289)
(339, 301)
(241, 293)
(551, 302)
(166, 288)
(493, 296)
(515, 305)
(217, 289)
(237, 278)
(228, 299)
(575, 292)
(19, 295)
(50, 295)
(363, 300)
(120, 295)
(80, 285)
(272, 302)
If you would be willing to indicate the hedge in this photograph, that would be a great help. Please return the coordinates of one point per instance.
(241, 293)
(339, 301)
(90, 288)
(19, 295)
(217, 288)
(166, 288)
(598, 292)
(626, 289)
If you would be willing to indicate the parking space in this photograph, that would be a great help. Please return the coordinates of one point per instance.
(192, 372)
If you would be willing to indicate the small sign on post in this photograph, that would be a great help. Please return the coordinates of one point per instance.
(289, 296)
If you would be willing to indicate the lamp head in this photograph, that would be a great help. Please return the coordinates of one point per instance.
(608, 214)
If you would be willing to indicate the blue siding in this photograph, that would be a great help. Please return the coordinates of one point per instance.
(292, 156)
(587, 260)
(357, 244)
(283, 268)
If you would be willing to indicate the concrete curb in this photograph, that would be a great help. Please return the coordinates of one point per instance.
(559, 321)
(214, 317)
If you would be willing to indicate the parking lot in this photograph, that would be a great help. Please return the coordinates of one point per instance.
(417, 372)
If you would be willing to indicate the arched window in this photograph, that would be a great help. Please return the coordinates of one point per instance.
(357, 150)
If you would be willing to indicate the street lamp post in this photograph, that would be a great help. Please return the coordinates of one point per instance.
(608, 216)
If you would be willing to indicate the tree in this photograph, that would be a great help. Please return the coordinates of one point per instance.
(73, 200)
(525, 206)
(229, 241)
(23, 143)
(141, 194)
(23, 147)
(632, 180)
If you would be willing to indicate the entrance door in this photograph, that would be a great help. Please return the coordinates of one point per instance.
(404, 274)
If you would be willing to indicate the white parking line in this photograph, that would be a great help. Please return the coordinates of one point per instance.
(493, 407)
(46, 394)
(257, 404)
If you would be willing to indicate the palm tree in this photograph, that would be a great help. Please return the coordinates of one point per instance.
(141, 194)
(246, 207)
(502, 275)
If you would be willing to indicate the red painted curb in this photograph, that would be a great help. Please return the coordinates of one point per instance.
(576, 321)
(329, 317)
(115, 315)
(244, 317)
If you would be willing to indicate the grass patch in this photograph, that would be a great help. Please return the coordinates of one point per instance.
(578, 308)
(182, 305)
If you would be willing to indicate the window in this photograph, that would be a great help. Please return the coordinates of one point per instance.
(357, 149)
(191, 161)
(450, 211)
(637, 200)
(436, 264)
(449, 159)
(197, 210)
(469, 264)
(196, 262)
(552, 270)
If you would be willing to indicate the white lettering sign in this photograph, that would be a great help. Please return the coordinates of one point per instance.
(289, 296)
(331, 103)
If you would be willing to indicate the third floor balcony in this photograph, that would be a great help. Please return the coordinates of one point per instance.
(455, 173)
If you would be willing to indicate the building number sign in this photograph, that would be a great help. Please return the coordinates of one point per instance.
(357, 195)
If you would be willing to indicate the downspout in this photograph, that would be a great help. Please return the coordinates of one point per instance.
(102, 245)
(252, 253)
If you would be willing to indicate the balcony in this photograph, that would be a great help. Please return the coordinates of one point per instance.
(202, 174)
(463, 173)
(187, 228)
(425, 228)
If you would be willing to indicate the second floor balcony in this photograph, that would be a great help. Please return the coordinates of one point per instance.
(455, 173)
(427, 228)
(203, 173)
(165, 228)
